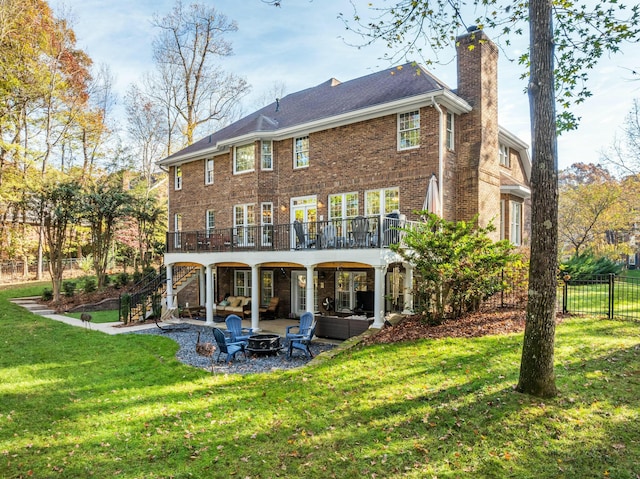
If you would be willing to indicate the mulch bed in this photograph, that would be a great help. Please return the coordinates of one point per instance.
(473, 325)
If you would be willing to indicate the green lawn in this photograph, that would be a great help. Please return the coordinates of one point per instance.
(76, 403)
(594, 298)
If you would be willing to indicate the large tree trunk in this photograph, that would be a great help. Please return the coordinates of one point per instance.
(536, 369)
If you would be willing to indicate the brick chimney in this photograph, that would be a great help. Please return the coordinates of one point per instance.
(478, 170)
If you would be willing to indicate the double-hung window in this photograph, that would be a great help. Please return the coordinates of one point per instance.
(409, 130)
(211, 221)
(450, 131)
(208, 171)
(301, 152)
(177, 228)
(242, 283)
(177, 176)
(504, 156)
(382, 202)
(266, 155)
(515, 227)
(244, 158)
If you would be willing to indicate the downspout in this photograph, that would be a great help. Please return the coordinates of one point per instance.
(440, 152)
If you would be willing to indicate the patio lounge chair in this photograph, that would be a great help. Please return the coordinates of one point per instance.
(238, 333)
(230, 349)
(270, 311)
(303, 329)
(329, 236)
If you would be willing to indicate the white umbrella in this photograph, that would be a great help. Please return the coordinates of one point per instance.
(432, 200)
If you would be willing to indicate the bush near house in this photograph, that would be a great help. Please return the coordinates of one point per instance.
(581, 266)
(457, 264)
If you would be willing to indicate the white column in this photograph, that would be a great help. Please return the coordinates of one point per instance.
(408, 289)
(169, 286)
(310, 289)
(255, 297)
(208, 294)
(203, 287)
(378, 297)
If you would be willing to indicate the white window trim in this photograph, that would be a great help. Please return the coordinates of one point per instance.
(208, 173)
(266, 227)
(177, 178)
(177, 228)
(503, 155)
(382, 197)
(262, 143)
(210, 227)
(235, 164)
(502, 218)
(266, 292)
(399, 132)
(450, 132)
(295, 152)
(515, 228)
(246, 283)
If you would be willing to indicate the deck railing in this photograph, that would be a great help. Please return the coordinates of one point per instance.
(352, 233)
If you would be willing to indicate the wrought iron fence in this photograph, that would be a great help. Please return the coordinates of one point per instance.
(607, 295)
(12, 271)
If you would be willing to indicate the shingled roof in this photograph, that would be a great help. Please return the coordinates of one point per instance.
(322, 102)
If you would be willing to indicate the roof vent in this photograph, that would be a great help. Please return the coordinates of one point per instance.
(473, 28)
(277, 104)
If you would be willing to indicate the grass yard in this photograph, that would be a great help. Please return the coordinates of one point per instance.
(594, 298)
(76, 403)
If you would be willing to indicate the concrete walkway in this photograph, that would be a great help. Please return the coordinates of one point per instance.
(32, 304)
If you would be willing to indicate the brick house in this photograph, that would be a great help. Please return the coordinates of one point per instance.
(307, 190)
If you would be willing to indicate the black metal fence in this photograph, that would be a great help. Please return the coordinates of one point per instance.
(607, 295)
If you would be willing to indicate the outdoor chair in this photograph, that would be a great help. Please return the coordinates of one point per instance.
(238, 333)
(303, 238)
(302, 342)
(270, 311)
(329, 236)
(229, 348)
(306, 321)
(360, 231)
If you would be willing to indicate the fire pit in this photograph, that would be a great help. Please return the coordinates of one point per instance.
(264, 344)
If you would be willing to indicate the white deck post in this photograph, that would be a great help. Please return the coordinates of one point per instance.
(208, 294)
(408, 289)
(169, 286)
(255, 298)
(378, 297)
(310, 291)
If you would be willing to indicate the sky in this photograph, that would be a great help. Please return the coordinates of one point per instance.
(304, 43)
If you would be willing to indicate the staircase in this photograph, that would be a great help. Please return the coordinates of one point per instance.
(145, 298)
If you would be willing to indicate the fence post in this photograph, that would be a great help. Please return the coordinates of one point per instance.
(565, 296)
(611, 295)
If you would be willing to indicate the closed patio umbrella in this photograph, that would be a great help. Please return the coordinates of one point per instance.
(432, 200)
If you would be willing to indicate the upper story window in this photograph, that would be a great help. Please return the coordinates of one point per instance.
(409, 130)
(208, 171)
(244, 158)
(382, 202)
(211, 221)
(342, 206)
(301, 152)
(266, 155)
(504, 156)
(450, 131)
(177, 178)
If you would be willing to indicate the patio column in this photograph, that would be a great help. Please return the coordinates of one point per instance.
(310, 290)
(255, 298)
(169, 286)
(202, 295)
(378, 296)
(208, 294)
(408, 289)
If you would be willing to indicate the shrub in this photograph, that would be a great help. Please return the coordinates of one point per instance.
(137, 277)
(125, 307)
(457, 264)
(148, 271)
(581, 266)
(69, 288)
(47, 294)
(90, 284)
(122, 279)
